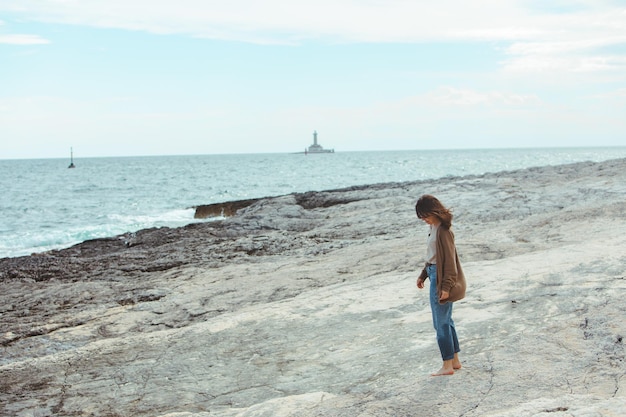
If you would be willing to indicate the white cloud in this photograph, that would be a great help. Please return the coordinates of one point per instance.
(17, 39)
(580, 42)
(565, 63)
(557, 39)
(418, 112)
(292, 20)
(450, 96)
(619, 94)
(566, 46)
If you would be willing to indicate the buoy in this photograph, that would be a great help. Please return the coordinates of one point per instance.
(72, 159)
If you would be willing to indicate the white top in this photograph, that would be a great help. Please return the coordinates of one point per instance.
(431, 248)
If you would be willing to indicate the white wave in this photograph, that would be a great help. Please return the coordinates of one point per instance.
(45, 239)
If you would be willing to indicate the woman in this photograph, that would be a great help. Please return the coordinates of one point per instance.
(447, 282)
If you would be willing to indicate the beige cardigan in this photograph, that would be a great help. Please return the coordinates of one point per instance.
(450, 275)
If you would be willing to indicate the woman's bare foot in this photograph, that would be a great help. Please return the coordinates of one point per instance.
(456, 362)
(443, 372)
(446, 369)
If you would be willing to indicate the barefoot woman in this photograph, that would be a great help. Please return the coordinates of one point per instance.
(447, 282)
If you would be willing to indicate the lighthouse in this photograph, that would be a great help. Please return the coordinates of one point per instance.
(317, 148)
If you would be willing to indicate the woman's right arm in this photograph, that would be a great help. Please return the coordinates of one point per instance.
(422, 278)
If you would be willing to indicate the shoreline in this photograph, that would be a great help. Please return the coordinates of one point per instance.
(227, 209)
(305, 304)
(37, 223)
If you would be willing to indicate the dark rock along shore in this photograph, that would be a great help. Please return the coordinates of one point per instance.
(224, 316)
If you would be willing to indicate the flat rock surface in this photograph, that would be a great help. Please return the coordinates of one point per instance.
(306, 305)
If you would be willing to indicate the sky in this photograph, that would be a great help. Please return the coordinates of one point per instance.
(155, 77)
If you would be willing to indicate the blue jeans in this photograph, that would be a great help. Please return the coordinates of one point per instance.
(442, 319)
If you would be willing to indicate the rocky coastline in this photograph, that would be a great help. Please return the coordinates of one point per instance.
(306, 305)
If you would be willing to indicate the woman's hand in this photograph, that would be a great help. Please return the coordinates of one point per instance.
(444, 295)
(420, 283)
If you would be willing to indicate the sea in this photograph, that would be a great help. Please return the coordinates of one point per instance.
(47, 206)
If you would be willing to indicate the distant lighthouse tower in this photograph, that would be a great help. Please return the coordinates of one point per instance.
(316, 148)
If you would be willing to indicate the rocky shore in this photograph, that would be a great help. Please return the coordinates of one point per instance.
(306, 305)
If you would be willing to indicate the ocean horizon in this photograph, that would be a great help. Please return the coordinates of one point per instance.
(47, 206)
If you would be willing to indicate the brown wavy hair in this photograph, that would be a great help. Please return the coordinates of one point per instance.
(429, 205)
